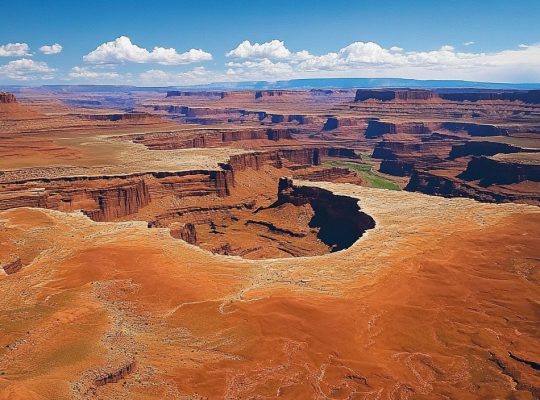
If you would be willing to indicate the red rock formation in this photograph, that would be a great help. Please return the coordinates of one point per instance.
(388, 95)
(7, 98)
(115, 202)
(186, 232)
(378, 128)
(116, 375)
(333, 174)
(335, 122)
(203, 94)
(496, 170)
(396, 168)
(526, 96)
(474, 129)
(475, 148)
(12, 266)
(132, 117)
(435, 184)
(339, 218)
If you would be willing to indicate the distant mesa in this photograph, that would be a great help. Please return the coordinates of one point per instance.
(525, 96)
(6, 98)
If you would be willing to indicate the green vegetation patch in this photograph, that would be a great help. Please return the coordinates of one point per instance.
(365, 171)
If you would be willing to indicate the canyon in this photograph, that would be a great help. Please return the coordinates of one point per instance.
(326, 243)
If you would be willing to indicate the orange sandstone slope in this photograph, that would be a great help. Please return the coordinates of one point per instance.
(440, 300)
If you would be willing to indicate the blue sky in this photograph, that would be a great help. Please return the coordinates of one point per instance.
(486, 40)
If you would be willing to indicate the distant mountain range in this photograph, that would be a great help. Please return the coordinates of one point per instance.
(305, 84)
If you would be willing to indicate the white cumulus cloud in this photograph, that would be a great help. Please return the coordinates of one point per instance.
(26, 69)
(274, 49)
(273, 60)
(122, 50)
(52, 49)
(14, 50)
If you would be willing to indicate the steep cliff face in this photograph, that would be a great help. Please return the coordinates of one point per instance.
(396, 167)
(197, 182)
(335, 122)
(333, 174)
(474, 148)
(389, 95)
(526, 96)
(379, 128)
(202, 94)
(338, 218)
(6, 98)
(186, 232)
(116, 202)
(491, 170)
(475, 129)
(132, 117)
(387, 149)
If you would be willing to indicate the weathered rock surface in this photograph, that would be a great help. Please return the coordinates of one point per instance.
(6, 98)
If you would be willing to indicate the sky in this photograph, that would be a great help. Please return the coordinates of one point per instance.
(150, 43)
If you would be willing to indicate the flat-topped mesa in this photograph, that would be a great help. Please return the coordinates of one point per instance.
(501, 170)
(6, 98)
(338, 122)
(11, 265)
(525, 96)
(132, 117)
(261, 94)
(194, 93)
(390, 95)
(484, 148)
(473, 129)
(339, 219)
(379, 128)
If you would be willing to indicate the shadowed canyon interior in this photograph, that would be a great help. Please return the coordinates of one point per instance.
(334, 243)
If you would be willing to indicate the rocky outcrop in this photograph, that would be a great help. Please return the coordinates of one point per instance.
(389, 95)
(6, 98)
(493, 170)
(474, 148)
(335, 122)
(186, 232)
(474, 129)
(203, 94)
(104, 378)
(387, 150)
(525, 96)
(131, 117)
(338, 218)
(434, 184)
(396, 167)
(116, 202)
(333, 174)
(11, 265)
(379, 128)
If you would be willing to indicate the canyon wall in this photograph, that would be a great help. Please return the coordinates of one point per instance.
(493, 170)
(339, 219)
